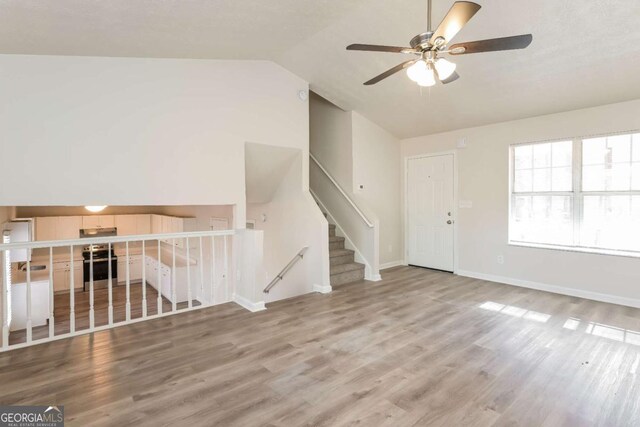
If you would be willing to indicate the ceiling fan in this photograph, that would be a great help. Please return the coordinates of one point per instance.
(430, 45)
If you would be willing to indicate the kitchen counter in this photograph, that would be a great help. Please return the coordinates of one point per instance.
(166, 256)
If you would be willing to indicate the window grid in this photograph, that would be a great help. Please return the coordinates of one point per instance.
(577, 195)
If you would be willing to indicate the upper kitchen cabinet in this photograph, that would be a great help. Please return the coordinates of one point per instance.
(133, 224)
(58, 227)
(98, 221)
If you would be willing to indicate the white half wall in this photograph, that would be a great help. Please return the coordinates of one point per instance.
(376, 167)
(292, 221)
(127, 131)
(483, 177)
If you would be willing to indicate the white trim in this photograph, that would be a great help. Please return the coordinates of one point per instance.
(369, 274)
(455, 203)
(249, 305)
(351, 202)
(580, 249)
(322, 289)
(580, 293)
(391, 264)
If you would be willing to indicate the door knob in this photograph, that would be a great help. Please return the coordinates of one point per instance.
(449, 222)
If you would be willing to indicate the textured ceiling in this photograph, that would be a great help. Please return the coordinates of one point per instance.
(583, 54)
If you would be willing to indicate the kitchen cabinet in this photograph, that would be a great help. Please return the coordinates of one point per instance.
(98, 221)
(163, 283)
(128, 225)
(68, 227)
(135, 268)
(62, 275)
(46, 227)
(58, 227)
(156, 224)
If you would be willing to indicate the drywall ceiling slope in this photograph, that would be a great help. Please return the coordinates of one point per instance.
(583, 54)
(265, 167)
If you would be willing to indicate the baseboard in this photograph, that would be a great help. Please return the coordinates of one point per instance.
(373, 277)
(249, 305)
(322, 289)
(595, 296)
(391, 264)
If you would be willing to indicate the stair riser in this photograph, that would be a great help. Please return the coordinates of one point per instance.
(347, 277)
(332, 231)
(339, 260)
(336, 245)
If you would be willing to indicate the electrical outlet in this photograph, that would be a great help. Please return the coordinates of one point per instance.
(500, 259)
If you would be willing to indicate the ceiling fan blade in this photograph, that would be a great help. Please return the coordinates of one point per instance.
(390, 72)
(492, 45)
(459, 14)
(378, 48)
(452, 78)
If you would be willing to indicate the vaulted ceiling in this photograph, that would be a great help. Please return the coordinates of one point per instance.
(584, 53)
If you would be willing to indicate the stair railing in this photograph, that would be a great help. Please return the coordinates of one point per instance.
(286, 269)
(344, 194)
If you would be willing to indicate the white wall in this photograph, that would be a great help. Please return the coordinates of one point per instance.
(356, 151)
(126, 131)
(293, 221)
(376, 166)
(483, 173)
(330, 139)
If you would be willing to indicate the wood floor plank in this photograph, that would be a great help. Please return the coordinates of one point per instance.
(420, 347)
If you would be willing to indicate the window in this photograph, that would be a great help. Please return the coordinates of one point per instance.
(581, 194)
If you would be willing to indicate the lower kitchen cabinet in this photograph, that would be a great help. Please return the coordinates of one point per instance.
(62, 275)
(162, 282)
(135, 268)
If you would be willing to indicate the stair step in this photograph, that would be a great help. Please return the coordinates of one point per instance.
(332, 230)
(341, 256)
(348, 276)
(349, 266)
(336, 242)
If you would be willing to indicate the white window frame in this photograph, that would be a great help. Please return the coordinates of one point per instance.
(577, 197)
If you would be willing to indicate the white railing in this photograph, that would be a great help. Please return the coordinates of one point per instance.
(183, 271)
(342, 192)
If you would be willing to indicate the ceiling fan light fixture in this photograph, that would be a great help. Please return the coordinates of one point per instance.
(444, 68)
(417, 71)
(428, 79)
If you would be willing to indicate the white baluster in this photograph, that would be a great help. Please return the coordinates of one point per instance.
(144, 284)
(128, 283)
(92, 323)
(6, 266)
(189, 303)
(200, 262)
(29, 320)
(213, 269)
(110, 285)
(226, 270)
(51, 304)
(72, 297)
(173, 279)
(159, 284)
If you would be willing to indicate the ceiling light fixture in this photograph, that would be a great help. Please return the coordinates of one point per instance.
(95, 209)
(444, 68)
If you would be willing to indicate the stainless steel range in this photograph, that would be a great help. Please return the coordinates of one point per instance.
(98, 256)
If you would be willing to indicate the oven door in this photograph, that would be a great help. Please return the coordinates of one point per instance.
(100, 273)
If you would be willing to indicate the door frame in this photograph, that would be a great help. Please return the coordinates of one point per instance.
(455, 203)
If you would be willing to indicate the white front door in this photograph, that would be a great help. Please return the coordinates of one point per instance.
(430, 212)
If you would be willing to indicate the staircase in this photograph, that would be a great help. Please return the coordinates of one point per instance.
(343, 267)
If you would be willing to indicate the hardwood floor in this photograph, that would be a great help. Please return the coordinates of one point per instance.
(100, 306)
(418, 348)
